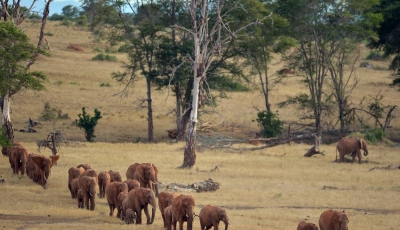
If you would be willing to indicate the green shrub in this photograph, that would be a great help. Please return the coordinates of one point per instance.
(123, 48)
(376, 56)
(4, 141)
(269, 123)
(66, 23)
(88, 123)
(97, 49)
(50, 113)
(104, 57)
(374, 135)
(49, 34)
(107, 84)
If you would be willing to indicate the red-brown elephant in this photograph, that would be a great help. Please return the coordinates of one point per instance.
(183, 211)
(168, 217)
(103, 179)
(132, 184)
(18, 158)
(211, 216)
(306, 226)
(130, 216)
(85, 166)
(74, 188)
(121, 197)
(334, 220)
(146, 174)
(164, 200)
(113, 189)
(80, 198)
(72, 174)
(88, 185)
(351, 146)
(115, 176)
(140, 198)
(44, 164)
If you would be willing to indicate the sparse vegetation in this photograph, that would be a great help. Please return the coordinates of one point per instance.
(105, 57)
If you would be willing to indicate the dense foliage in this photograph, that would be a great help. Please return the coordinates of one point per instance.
(88, 123)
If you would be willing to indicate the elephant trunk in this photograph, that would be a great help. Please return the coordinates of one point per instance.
(153, 213)
(226, 226)
(190, 219)
(365, 152)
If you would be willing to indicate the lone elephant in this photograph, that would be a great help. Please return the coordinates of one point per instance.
(306, 226)
(164, 200)
(182, 209)
(103, 179)
(334, 220)
(88, 186)
(140, 198)
(44, 164)
(211, 216)
(351, 146)
(113, 189)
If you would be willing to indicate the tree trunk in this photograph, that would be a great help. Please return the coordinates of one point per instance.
(187, 111)
(189, 158)
(150, 127)
(6, 122)
(341, 114)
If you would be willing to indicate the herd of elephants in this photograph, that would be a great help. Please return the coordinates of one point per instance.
(140, 190)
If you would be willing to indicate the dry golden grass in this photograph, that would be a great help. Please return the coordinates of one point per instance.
(260, 189)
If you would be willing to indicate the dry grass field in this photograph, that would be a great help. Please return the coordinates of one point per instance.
(274, 188)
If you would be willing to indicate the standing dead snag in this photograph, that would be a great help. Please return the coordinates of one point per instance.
(208, 42)
(52, 141)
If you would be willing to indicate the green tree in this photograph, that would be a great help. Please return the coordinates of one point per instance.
(269, 123)
(15, 51)
(70, 11)
(389, 33)
(88, 123)
(328, 34)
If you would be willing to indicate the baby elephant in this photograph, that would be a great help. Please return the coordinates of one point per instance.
(306, 226)
(129, 216)
(333, 220)
(210, 216)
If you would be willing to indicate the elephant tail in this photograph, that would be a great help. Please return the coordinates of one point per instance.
(336, 154)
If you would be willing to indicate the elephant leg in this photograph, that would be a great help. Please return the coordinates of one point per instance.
(111, 209)
(92, 204)
(359, 157)
(86, 201)
(181, 224)
(139, 217)
(216, 225)
(146, 212)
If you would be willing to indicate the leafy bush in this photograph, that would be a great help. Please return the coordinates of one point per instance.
(123, 49)
(88, 123)
(66, 23)
(374, 135)
(4, 141)
(376, 56)
(269, 124)
(105, 84)
(104, 57)
(50, 113)
(97, 49)
(49, 34)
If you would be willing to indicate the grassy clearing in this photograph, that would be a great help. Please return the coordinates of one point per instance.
(260, 190)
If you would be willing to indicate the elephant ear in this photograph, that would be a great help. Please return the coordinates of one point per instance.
(54, 159)
(363, 144)
(38, 161)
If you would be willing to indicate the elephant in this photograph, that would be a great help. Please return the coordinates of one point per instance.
(74, 188)
(85, 166)
(130, 216)
(182, 209)
(44, 164)
(167, 214)
(353, 146)
(80, 198)
(164, 200)
(334, 220)
(88, 185)
(138, 199)
(121, 197)
(103, 180)
(30, 166)
(113, 189)
(146, 174)
(125, 206)
(132, 184)
(306, 226)
(211, 216)
(18, 159)
(115, 176)
(72, 174)
(9, 152)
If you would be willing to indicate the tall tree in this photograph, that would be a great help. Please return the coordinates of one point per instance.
(17, 55)
(209, 33)
(389, 33)
(328, 33)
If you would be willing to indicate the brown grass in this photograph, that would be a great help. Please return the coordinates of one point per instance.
(260, 189)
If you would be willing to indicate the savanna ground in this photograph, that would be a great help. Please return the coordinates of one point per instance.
(274, 188)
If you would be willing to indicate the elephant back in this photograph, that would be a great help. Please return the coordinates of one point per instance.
(131, 171)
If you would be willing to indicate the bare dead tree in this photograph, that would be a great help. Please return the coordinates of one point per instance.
(208, 40)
